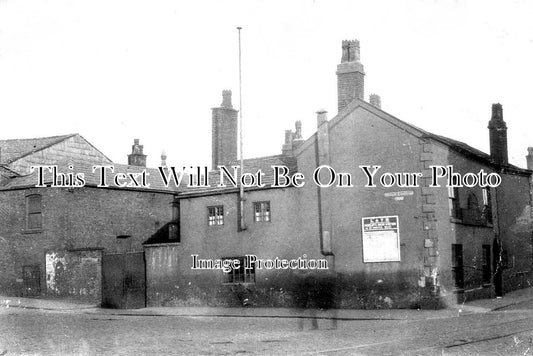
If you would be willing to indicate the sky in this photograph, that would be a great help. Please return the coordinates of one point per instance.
(116, 70)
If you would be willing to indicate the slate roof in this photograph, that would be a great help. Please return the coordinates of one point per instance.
(474, 153)
(93, 179)
(154, 177)
(455, 145)
(251, 165)
(12, 150)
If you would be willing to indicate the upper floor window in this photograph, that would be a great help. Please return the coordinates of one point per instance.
(487, 205)
(455, 206)
(262, 211)
(215, 215)
(472, 202)
(34, 212)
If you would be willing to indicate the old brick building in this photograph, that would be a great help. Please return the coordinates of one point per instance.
(399, 242)
(398, 246)
(53, 239)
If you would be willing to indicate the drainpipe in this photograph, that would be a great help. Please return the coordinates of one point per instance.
(324, 195)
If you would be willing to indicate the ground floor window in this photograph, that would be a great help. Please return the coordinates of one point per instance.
(457, 265)
(243, 274)
(487, 272)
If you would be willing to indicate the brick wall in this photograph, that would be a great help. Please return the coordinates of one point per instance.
(224, 136)
(73, 219)
(349, 86)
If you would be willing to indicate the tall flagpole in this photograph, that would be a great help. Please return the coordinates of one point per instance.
(241, 187)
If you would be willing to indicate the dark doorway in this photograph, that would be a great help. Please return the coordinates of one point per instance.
(31, 277)
(497, 264)
(457, 266)
(124, 280)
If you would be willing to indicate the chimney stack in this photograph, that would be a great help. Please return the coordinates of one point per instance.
(286, 149)
(350, 75)
(224, 132)
(163, 159)
(226, 99)
(137, 158)
(498, 135)
(298, 128)
(375, 100)
(529, 158)
(293, 139)
(321, 117)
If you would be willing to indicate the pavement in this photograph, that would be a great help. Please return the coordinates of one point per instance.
(477, 306)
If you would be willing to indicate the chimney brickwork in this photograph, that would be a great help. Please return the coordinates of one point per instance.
(375, 100)
(163, 159)
(529, 158)
(137, 158)
(350, 75)
(224, 132)
(293, 139)
(498, 135)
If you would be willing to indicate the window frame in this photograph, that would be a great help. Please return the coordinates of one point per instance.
(32, 211)
(263, 215)
(487, 205)
(240, 276)
(454, 203)
(217, 218)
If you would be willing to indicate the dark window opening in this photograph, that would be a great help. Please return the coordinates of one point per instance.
(457, 265)
(487, 272)
(243, 274)
(472, 202)
(34, 212)
(31, 276)
(487, 206)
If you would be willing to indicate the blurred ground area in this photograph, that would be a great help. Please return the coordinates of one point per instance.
(52, 327)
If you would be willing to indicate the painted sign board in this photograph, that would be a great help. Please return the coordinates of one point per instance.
(381, 239)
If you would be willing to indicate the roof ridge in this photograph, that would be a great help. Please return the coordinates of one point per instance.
(40, 138)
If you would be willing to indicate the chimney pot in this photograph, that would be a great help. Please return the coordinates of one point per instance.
(375, 100)
(529, 158)
(137, 158)
(350, 75)
(497, 112)
(298, 132)
(226, 99)
(163, 159)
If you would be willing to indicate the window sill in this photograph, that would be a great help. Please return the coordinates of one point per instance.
(463, 222)
(31, 231)
(163, 244)
(237, 283)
